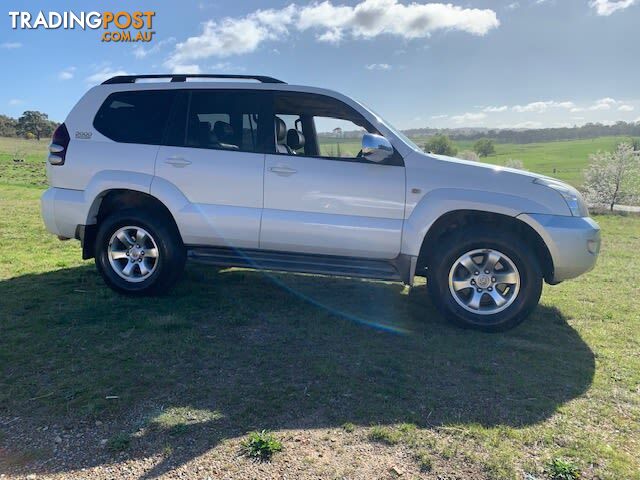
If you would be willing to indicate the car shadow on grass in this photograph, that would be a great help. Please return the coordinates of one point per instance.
(232, 351)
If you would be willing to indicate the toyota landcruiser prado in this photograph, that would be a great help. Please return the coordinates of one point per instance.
(249, 171)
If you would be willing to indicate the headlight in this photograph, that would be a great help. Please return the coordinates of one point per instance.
(571, 196)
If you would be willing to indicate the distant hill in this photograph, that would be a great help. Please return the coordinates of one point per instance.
(519, 135)
(589, 130)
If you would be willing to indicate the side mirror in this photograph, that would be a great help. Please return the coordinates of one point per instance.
(376, 148)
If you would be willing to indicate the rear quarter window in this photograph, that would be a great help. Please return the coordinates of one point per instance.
(135, 117)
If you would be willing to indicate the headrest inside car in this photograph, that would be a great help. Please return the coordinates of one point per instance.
(295, 139)
(281, 130)
(223, 130)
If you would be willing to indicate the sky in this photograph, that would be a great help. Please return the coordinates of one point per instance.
(471, 63)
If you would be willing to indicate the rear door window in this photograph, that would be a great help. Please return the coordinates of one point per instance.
(227, 120)
(135, 116)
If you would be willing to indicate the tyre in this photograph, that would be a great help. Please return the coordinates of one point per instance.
(484, 279)
(139, 252)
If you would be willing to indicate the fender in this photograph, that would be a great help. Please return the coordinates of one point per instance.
(107, 180)
(441, 201)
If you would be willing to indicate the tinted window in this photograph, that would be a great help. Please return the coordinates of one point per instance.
(135, 117)
(226, 120)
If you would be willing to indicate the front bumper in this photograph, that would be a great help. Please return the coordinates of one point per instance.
(573, 242)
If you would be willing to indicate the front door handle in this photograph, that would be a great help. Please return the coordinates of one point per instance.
(283, 171)
(177, 162)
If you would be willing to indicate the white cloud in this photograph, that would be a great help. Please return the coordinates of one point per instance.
(538, 107)
(225, 67)
(529, 124)
(567, 105)
(513, 6)
(67, 73)
(232, 36)
(140, 52)
(437, 117)
(331, 36)
(541, 107)
(367, 19)
(638, 120)
(371, 18)
(468, 117)
(11, 45)
(378, 66)
(15, 102)
(490, 109)
(607, 7)
(187, 68)
(204, 5)
(608, 100)
(103, 74)
(603, 104)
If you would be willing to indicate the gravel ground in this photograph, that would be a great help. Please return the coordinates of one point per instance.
(80, 451)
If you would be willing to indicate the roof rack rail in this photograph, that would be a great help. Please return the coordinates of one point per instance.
(183, 78)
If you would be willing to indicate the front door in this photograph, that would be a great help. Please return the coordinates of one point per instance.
(319, 195)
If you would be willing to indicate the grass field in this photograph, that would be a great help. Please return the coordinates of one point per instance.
(29, 169)
(357, 379)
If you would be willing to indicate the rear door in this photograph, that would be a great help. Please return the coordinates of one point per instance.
(214, 154)
(319, 195)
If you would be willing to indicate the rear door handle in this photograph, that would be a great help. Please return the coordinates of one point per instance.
(178, 162)
(283, 171)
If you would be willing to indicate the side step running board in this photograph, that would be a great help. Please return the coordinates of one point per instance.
(297, 262)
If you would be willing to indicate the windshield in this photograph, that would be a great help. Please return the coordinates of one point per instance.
(393, 129)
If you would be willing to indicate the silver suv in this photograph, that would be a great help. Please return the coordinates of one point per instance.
(250, 171)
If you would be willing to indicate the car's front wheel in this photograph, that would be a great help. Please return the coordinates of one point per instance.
(139, 252)
(489, 280)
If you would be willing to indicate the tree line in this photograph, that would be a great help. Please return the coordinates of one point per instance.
(31, 124)
(589, 130)
(442, 145)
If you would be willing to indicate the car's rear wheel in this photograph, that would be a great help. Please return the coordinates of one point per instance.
(139, 252)
(484, 279)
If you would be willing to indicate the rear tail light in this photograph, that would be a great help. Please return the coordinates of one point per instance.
(58, 147)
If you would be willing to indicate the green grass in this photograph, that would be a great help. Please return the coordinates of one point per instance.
(179, 420)
(261, 445)
(560, 469)
(389, 436)
(565, 160)
(349, 427)
(231, 351)
(119, 443)
(425, 460)
(29, 169)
